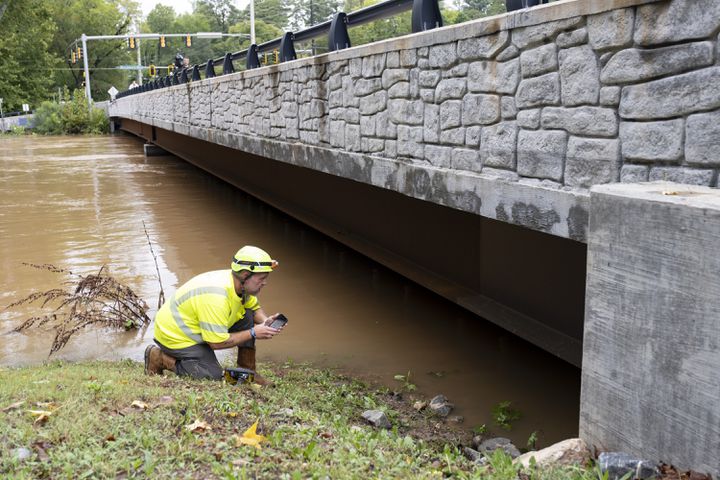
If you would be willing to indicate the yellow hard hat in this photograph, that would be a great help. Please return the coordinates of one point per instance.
(253, 259)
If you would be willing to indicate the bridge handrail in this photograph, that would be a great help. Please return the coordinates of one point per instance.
(426, 15)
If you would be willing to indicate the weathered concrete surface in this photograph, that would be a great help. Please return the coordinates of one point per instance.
(651, 360)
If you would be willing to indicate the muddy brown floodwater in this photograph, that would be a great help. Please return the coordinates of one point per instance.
(79, 203)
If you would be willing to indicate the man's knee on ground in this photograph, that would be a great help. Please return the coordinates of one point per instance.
(199, 370)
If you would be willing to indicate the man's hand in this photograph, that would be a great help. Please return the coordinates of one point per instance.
(263, 332)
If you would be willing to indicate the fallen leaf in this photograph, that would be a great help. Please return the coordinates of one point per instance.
(240, 462)
(231, 414)
(41, 448)
(250, 437)
(41, 416)
(41, 381)
(198, 425)
(419, 405)
(13, 406)
(139, 404)
(52, 406)
(110, 438)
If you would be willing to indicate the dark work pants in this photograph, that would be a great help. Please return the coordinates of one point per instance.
(199, 361)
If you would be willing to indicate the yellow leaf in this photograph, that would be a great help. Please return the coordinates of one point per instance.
(52, 406)
(41, 416)
(139, 404)
(198, 425)
(250, 437)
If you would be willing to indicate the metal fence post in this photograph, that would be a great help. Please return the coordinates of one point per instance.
(195, 73)
(228, 64)
(210, 69)
(425, 15)
(338, 37)
(287, 48)
(251, 59)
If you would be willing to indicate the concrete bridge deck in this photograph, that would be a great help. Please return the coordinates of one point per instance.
(464, 157)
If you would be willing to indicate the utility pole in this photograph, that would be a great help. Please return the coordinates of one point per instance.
(139, 62)
(88, 96)
(2, 116)
(252, 22)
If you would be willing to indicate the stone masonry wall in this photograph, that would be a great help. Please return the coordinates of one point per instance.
(557, 98)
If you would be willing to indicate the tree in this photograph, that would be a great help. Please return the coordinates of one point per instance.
(472, 9)
(25, 61)
(306, 13)
(94, 17)
(160, 19)
(220, 13)
(272, 12)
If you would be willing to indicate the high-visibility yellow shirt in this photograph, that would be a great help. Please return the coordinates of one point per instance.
(201, 311)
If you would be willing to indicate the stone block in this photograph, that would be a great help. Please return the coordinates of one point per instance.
(508, 110)
(611, 29)
(676, 21)
(352, 137)
(337, 133)
(367, 126)
(702, 139)
(690, 176)
(384, 127)
(541, 154)
(453, 136)
(510, 52)
(391, 76)
(529, 119)
(372, 145)
(480, 109)
(466, 159)
(652, 141)
(390, 148)
(408, 112)
(572, 39)
(431, 124)
(392, 60)
(438, 156)
(585, 121)
(579, 76)
(494, 77)
(538, 91)
(429, 78)
(348, 93)
(591, 161)
(373, 65)
(366, 86)
(450, 88)
(634, 65)
(373, 103)
(335, 82)
(472, 136)
(336, 99)
(427, 95)
(450, 114)
(539, 60)
(408, 58)
(652, 282)
(610, 96)
(497, 145)
(482, 48)
(399, 90)
(634, 173)
(542, 33)
(690, 92)
(355, 67)
(443, 56)
(410, 142)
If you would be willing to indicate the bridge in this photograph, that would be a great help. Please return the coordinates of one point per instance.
(510, 164)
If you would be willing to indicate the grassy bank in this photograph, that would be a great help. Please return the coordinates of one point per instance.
(109, 420)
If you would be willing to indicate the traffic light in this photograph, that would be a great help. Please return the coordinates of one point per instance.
(188, 41)
(276, 54)
(171, 67)
(131, 43)
(79, 53)
(152, 70)
(74, 57)
(162, 41)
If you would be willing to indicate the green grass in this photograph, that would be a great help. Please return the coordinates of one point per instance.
(94, 431)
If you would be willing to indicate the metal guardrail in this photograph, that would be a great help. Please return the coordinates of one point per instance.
(425, 16)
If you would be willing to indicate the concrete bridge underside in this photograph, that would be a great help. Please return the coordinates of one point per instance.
(528, 282)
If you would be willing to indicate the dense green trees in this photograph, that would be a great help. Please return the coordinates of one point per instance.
(39, 35)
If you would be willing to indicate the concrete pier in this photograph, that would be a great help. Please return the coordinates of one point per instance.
(651, 356)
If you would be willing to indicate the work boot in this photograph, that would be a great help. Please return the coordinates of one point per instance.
(157, 361)
(246, 359)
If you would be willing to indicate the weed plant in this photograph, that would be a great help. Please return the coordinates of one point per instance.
(70, 117)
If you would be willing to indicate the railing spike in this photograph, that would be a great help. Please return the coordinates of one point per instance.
(287, 48)
(228, 64)
(251, 59)
(338, 37)
(210, 69)
(425, 15)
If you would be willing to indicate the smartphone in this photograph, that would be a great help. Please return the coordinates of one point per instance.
(278, 322)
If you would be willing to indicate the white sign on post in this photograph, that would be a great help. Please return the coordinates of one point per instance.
(112, 92)
(26, 107)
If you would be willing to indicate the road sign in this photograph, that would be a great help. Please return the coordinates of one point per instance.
(113, 91)
(26, 107)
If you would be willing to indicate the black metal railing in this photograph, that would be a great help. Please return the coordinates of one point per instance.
(425, 16)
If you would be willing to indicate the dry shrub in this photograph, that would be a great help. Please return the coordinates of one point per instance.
(93, 299)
